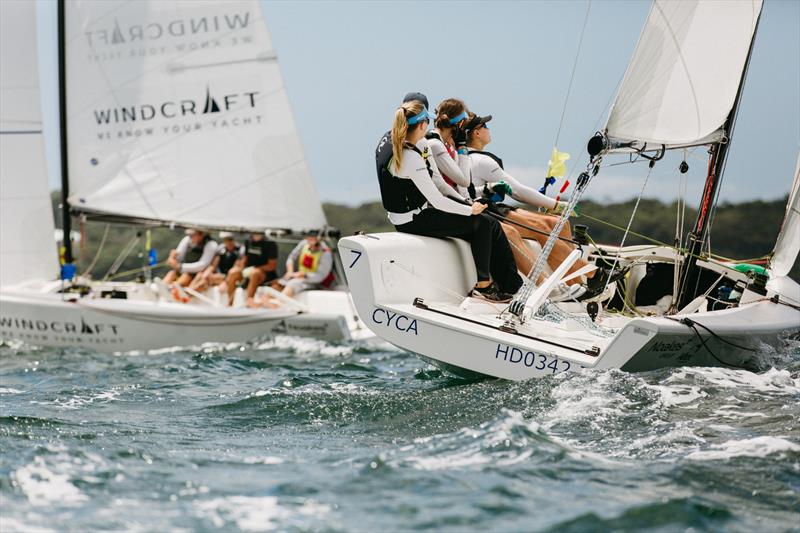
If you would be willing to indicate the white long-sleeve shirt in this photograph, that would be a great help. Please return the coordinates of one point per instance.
(458, 170)
(486, 170)
(209, 251)
(414, 169)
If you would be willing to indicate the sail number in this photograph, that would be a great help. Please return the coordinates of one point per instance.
(533, 360)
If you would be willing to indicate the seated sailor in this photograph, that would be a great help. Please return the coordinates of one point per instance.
(227, 254)
(490, 178)
(192, 255)
(257, 266)
(448, 145)
(416, 206)
(309, 266)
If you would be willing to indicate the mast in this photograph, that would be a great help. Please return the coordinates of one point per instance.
(698, 238)
(66, 219)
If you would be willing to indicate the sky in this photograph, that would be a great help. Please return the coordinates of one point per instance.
(347, 65)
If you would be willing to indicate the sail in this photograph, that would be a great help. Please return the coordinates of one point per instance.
(177, 113)
(685, 73)
(788, 244)
(27, 248)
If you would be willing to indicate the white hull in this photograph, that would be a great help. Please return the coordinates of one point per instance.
(408, 290)
(45, 318)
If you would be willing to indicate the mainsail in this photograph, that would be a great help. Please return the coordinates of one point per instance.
(683, 79)
(27, 246)
(177, 114)
(788, 244)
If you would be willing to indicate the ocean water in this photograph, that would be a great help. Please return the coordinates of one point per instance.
(300, 435)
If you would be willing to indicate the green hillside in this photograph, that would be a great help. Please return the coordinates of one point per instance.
(740, 231)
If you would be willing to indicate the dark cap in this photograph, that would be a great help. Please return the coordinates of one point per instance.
(418, 97)
(477, 121)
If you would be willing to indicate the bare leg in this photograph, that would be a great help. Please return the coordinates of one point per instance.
(233, 277)
(256, 279)
(171, 276)
(523, 256)
(199, 283)
(560, 250)
(185, 279)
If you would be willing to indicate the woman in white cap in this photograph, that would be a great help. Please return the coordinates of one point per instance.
(416, 206)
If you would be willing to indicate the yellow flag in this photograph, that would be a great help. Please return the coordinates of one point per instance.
(557, 167)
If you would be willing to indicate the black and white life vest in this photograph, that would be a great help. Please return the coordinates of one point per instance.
(489, 154)
(194, 253)
(398, 195)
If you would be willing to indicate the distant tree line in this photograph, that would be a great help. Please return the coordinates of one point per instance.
(740, 231)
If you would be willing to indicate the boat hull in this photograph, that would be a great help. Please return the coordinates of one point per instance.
(125, 325)
(408, 290)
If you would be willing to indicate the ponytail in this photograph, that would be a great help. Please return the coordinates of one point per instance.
(399, 131)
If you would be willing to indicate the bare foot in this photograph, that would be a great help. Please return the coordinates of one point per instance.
(251, 303)
(272, 304)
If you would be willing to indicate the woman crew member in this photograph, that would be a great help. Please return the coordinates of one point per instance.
(448, 145)
(487, 169)
(416, 206)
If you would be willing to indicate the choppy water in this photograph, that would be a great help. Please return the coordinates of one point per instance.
(301, 435)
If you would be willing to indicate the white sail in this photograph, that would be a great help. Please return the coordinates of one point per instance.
(788, 244)
(27, 248)
(177, 113)
(682, 81)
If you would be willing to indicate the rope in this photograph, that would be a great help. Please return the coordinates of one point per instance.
(691, 324)
(630, 221)
(122, 257)
(572, 75)
(681, 250)
(525, 226)
(99, 250)
(517, 305)
(133, 271)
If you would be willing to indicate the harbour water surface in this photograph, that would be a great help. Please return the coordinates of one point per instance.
(301, 435)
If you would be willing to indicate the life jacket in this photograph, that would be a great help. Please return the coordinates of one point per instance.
(450, 152)
(308, 262)
(398, 195)
(227, 258)
(194, 253)
(490, 154)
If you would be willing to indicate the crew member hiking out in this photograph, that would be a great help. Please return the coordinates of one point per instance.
(192, 255)
(491, 180)
(416, 206)
(257, 266)
(227, 254)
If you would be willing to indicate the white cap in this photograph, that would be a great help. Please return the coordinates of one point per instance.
(225, 235)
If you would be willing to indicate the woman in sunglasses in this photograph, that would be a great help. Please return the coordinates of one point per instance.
(488, 172)
(416, 206)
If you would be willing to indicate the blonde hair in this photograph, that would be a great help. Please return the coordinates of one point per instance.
(400, 128)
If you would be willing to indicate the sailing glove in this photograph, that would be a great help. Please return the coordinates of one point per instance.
(459, 137)
(497, 191)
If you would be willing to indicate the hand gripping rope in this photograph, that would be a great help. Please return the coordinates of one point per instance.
(517, 305)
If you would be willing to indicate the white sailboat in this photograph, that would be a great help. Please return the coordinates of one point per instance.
(173, 113)
(681, 89)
